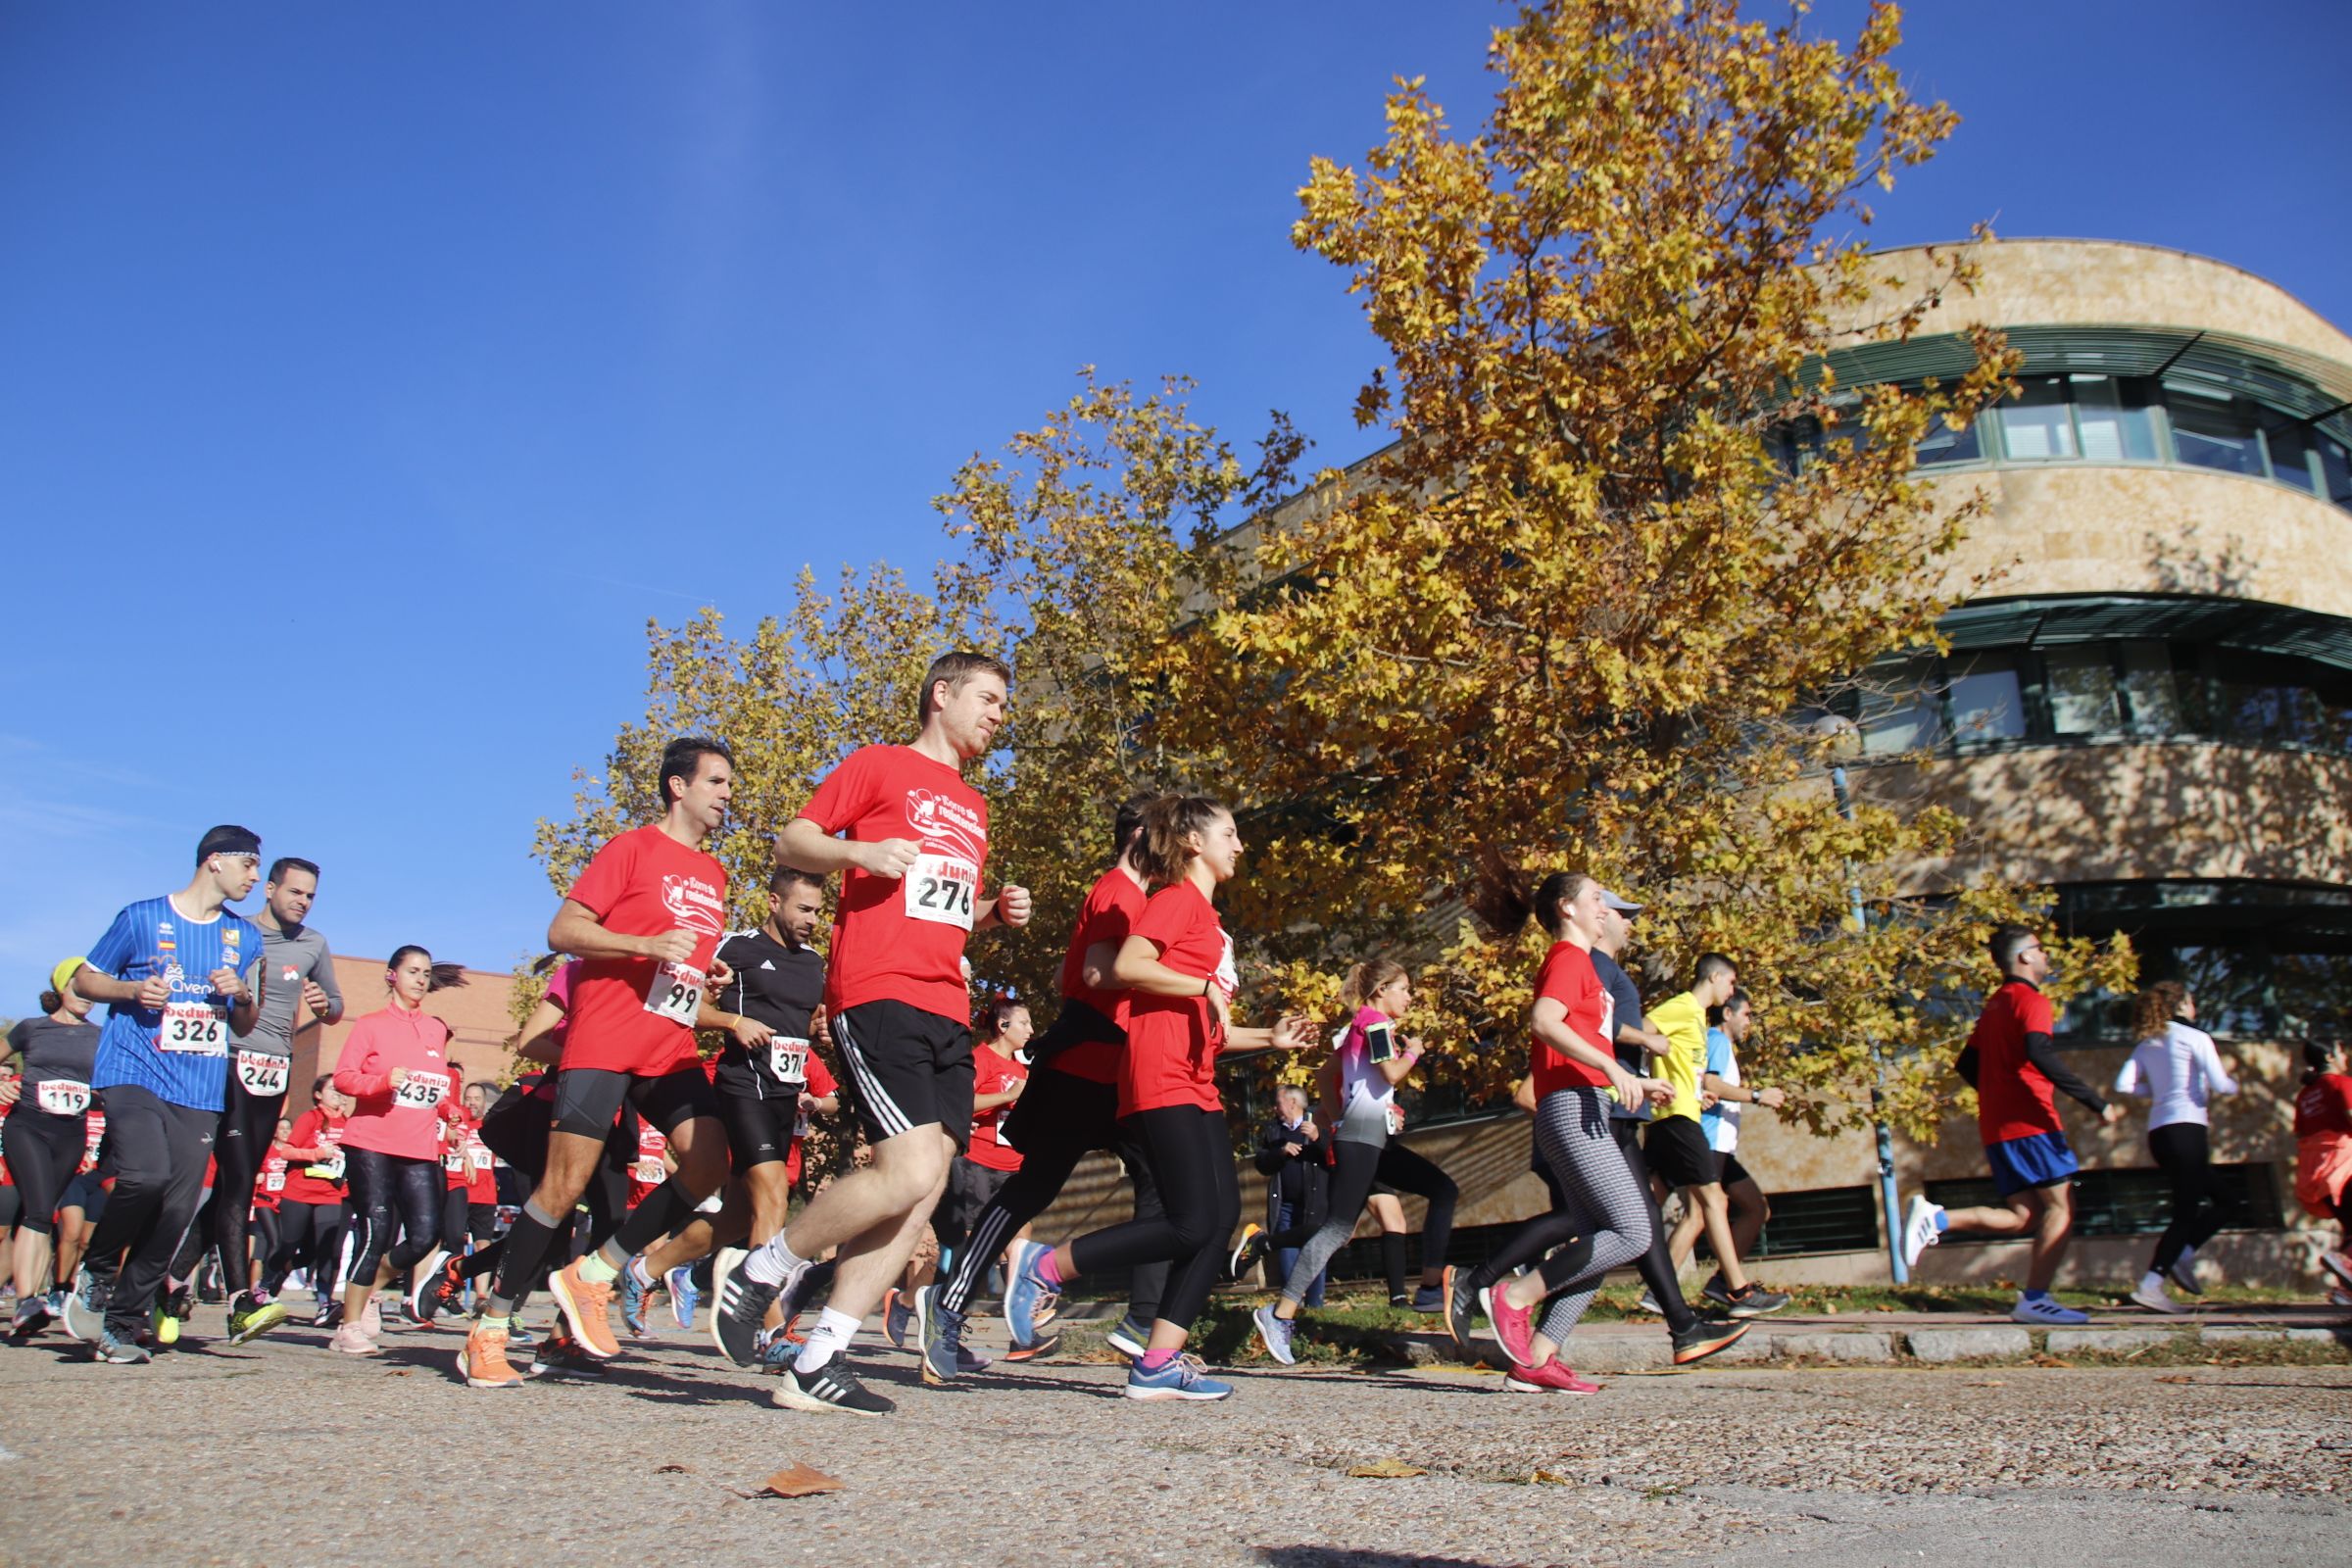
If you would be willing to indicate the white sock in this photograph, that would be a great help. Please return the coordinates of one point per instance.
(833, 1332)
(772, 1262)
(2152, 1281)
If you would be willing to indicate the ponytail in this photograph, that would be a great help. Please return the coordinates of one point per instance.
(1169, 821)
(1366, 981)
(1553, 891)
(2315, 1057)
(51, 1001)
(2156, 1009)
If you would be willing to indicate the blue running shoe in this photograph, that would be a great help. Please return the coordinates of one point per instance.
(1275, 1334)
(120, 1352)
(1024, 1289)
(898, 1320)
(683, 1297)
(84, 1311)
(937, 1334)
(1130, 1339)
(632, 1300)
(778, 1354)
(1183, 1378)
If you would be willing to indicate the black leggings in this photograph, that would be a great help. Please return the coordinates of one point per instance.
(155, 1150)
(247, 1125)
(1356, 1167)
(1069, 1119)
(389, 1193)
(463, 1219)
(1191, 1154)
(43, 1153)
(307, 1234)
(2185, 1154)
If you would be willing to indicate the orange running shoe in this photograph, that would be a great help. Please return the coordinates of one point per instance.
(482, 1358)
(586, 1308)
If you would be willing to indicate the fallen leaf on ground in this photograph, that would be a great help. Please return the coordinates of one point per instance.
(671, 1470)
(800, 1481)
(2177, 1378)
(2051, 1361)
(1386, 1470)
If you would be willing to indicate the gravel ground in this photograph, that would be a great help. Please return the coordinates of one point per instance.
(282, 1452)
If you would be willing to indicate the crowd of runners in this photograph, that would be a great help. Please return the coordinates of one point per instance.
(150, 1158)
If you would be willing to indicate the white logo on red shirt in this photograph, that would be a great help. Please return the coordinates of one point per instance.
(693, 902)
(946, 824)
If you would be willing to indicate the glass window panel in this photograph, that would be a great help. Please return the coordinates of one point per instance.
(2336, 470)
(1900, 713)
(2209, 433)
(1944, 444)
(2035, 425)
(1986, 700)
(2112, 419)
(2290, 454)
(2081, 682)
(2148, 689)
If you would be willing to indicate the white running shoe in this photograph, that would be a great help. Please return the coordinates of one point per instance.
(1920, 1231)
(2152, 1298)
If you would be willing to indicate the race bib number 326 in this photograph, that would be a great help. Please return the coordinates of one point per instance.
(196, 1027)
(941, 888)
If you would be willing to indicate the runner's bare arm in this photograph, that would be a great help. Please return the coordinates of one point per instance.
(805, 846)
(537, 1040)
(152, 992)
(1095, 967)
(244, 1000)
(577, 930)
(1008, 908)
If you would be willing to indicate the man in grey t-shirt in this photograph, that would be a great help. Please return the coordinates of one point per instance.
(300, 973)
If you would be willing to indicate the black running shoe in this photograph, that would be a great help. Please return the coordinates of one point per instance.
(180, 1303)
(1704, 1338)
(1461, 1306)
(831, 1387)
(743, 1303)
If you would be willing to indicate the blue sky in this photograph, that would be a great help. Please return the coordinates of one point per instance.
(369, 375)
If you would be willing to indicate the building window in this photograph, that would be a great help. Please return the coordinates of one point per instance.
(2214, 431)
(1942, 443)
(2137, 1201)
(2265, 961)
(2080, 683)
(2035, 425)
(1985, 695)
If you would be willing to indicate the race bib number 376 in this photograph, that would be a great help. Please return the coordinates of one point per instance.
(941, 888)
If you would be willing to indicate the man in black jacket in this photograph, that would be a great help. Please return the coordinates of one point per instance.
(1289, 1155)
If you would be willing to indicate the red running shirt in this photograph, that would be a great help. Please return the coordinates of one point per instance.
(902, 939)
(636, 1015)
(993, 1073)
(2013, 1098)
(1111, 907)
(2325, 1105)
(1568, 978)
(1171, 1059)
(314, 1129)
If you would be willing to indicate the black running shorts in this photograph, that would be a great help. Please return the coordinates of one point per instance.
(759, 1131)
(588, 1098)
(1676, 1148)
(1728, 1168)
(904, 1068)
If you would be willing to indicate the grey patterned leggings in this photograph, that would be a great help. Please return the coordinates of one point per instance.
(1612, 1221)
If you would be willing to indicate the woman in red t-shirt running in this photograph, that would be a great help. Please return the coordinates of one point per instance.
(1177, 968)
(2324, 1150)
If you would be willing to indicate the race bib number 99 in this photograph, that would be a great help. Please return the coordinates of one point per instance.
(941, 888)
(676, 993)
(196, 1027)
(788, 1058)
(60, 1098)
(262, 1074)
(422, 1091)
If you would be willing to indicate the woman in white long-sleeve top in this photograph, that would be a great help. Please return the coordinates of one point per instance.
(2176, 1066)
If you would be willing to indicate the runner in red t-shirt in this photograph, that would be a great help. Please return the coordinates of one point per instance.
(913, 842)
(2324, 1151)
(1177, 968)
(1069, 1108)
(310, 1210)
(644, 920)
(2015, 1070)
(269, 1190)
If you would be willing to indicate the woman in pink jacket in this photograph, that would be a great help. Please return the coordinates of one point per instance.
(395, 1067)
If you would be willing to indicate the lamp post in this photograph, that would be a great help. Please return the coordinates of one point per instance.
(1843, 740)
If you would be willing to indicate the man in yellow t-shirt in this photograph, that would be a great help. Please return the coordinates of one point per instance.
(1676, 1145)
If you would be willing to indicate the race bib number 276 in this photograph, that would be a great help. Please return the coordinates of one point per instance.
(942, 888)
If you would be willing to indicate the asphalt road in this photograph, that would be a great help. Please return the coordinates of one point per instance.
(282, 1452)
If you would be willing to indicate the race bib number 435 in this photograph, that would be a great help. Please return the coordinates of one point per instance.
(941, 888)
(422, 1091)
(676, 993)
(196, 1027)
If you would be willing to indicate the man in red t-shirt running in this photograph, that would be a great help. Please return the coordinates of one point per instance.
(913, 839)
(2014, 1071)
(644, 920)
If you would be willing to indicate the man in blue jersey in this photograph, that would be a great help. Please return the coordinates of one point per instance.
(172, 971)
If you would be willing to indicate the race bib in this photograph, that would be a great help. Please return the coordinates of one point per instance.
(275, 1182)
(649, 1173)
(196, 1027)
(422, 1091)
(60, 1098)
(480, 1156)
(454, 1162)
(327, 1170)
(263, 1074)
(788, 1060)
(941, 888)
(676, 993)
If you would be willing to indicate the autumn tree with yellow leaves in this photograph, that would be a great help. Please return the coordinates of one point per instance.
(1579, 611)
